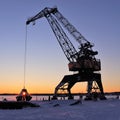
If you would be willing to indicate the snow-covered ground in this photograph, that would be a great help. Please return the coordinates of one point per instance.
(62, 110)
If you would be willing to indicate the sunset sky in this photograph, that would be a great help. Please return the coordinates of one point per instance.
(46, 64)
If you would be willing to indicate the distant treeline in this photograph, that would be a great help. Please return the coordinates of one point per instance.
(51, 94)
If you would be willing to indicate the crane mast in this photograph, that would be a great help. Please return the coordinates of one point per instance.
(83, 61)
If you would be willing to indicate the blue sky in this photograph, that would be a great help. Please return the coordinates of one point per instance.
(97, 20)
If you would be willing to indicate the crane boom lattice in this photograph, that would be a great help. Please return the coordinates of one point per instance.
(62, 38)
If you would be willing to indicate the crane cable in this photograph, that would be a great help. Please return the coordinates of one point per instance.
(25, 56)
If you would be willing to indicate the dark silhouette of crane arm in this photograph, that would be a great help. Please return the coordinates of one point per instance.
(71, 29)
(83, 42)
(66, 45)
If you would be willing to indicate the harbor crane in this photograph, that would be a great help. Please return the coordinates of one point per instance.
(83, 63)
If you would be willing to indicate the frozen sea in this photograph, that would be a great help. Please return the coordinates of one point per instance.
(62, 110)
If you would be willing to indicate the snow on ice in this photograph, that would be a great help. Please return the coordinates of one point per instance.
(62, 110)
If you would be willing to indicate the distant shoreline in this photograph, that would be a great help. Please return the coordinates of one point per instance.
(50, 94)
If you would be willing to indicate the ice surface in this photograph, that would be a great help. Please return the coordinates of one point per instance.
(61, 110)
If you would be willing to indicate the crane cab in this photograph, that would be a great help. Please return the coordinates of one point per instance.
(88, 64)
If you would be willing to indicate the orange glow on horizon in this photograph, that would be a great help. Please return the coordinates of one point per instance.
(79, 87)
(47, 84)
